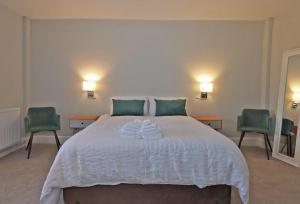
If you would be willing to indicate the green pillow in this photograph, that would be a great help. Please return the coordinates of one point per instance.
(170, 107)
(128, 107)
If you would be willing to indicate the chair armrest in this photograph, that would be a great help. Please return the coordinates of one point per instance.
(239, 122)
(58, 121)
(27, 124)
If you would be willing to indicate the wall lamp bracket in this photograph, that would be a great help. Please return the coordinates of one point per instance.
(90, 95)
(205, 88)
(295, 105)
(204, 95)
(89, 87)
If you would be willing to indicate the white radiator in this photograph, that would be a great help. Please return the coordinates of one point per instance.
(10, 129)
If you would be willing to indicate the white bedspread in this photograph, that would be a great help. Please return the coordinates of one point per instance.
(190, 153)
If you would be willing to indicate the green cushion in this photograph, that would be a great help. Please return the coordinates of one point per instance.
(170, 107)
(43, 128)
(128, 107)
(254, 129)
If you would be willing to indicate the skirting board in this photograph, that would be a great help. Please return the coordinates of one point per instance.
(13, 148)
(250, 141)
(48, 139)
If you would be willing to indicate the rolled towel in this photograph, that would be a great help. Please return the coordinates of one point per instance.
(146, 129)
(149, 127)
(146, 122)
(131, 135)
(138, 129)
(131, 130)
(150, 130)
(149, 133)
(133, 125)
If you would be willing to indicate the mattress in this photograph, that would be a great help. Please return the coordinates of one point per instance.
(190, 153)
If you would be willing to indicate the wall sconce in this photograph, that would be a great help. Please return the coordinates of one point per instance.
(295, 100)
(205, 87)
(90, 87)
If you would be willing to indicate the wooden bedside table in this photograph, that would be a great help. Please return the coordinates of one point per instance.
(212, 121)
(79, 122)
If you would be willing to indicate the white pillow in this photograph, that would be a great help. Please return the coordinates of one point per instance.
(152, 103)
(129, 98)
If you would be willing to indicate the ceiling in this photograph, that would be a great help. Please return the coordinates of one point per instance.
(151, 9)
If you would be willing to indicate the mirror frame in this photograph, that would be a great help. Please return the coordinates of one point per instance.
(295, 161)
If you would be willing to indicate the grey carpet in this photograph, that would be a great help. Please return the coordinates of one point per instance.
(21, 180)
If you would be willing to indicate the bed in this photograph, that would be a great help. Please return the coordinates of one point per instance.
(189, 155)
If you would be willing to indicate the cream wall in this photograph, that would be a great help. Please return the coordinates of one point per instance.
(161, 58)
(10, 59)
(286, 35)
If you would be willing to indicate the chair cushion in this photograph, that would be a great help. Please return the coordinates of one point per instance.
(253, 129)
(43, 128)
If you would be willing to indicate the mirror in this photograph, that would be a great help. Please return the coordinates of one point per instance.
(288, 113)
(291, 108)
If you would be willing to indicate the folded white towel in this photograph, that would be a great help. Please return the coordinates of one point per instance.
(131, 130)
(131, 135)
(138, 129)
(150, 127)
(150, 130)
(151, 134)
(146, 122)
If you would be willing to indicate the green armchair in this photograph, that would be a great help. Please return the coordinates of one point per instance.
(287, 131)
(41, 119)
(255, 120)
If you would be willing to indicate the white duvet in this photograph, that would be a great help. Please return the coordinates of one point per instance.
(189, 153)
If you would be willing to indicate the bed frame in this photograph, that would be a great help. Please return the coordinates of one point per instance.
(147, 194)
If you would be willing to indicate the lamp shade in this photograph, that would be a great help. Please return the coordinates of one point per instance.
(88, 85)
(206, 87)
(296, 97)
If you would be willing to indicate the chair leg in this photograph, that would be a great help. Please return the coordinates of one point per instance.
(29, 145)
(269, 143)
(241, 139)
(266, 146)
(57, 140)
(283, 148)
(289, 146)
(292, 149)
